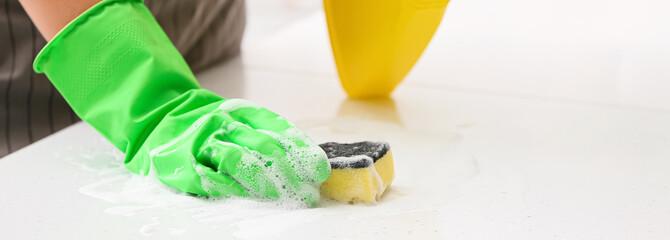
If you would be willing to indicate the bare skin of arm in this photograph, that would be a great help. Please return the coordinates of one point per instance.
(50, 16)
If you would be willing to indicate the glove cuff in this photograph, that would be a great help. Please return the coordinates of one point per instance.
(118, 71)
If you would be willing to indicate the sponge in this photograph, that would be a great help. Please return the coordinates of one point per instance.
(360, 171)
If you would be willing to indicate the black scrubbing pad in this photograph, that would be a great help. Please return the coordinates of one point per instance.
(356, 153)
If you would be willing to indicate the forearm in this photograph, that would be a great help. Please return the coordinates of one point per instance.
(50, 16)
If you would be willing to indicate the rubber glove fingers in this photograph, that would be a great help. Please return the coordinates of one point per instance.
(248, 170)
(308, 159)
(261, 119)
(267, 150)
(181, 170)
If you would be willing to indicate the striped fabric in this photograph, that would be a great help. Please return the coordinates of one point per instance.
(204, 31)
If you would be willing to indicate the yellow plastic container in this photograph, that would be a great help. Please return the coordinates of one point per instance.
(377, 42)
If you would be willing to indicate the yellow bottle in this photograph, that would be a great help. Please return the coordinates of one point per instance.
(377, 42)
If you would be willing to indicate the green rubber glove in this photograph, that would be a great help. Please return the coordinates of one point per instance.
(121, 74)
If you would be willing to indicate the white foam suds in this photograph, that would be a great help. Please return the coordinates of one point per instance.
(374, 177)
(235, 104)
(345, 160)
(136, 195)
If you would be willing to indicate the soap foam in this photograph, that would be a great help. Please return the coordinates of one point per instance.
(352, 161)
(138, 194)
(300, 151)
(302, 155)
(234, 104)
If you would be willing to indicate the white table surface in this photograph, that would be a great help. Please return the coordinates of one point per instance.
(523, 120)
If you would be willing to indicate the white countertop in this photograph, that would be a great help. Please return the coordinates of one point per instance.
(523, 120)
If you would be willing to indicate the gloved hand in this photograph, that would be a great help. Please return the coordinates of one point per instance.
(121, 74)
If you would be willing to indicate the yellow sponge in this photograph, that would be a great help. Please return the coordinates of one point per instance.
(360, 171)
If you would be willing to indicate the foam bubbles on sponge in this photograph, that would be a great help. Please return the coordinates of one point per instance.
(361, 171)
